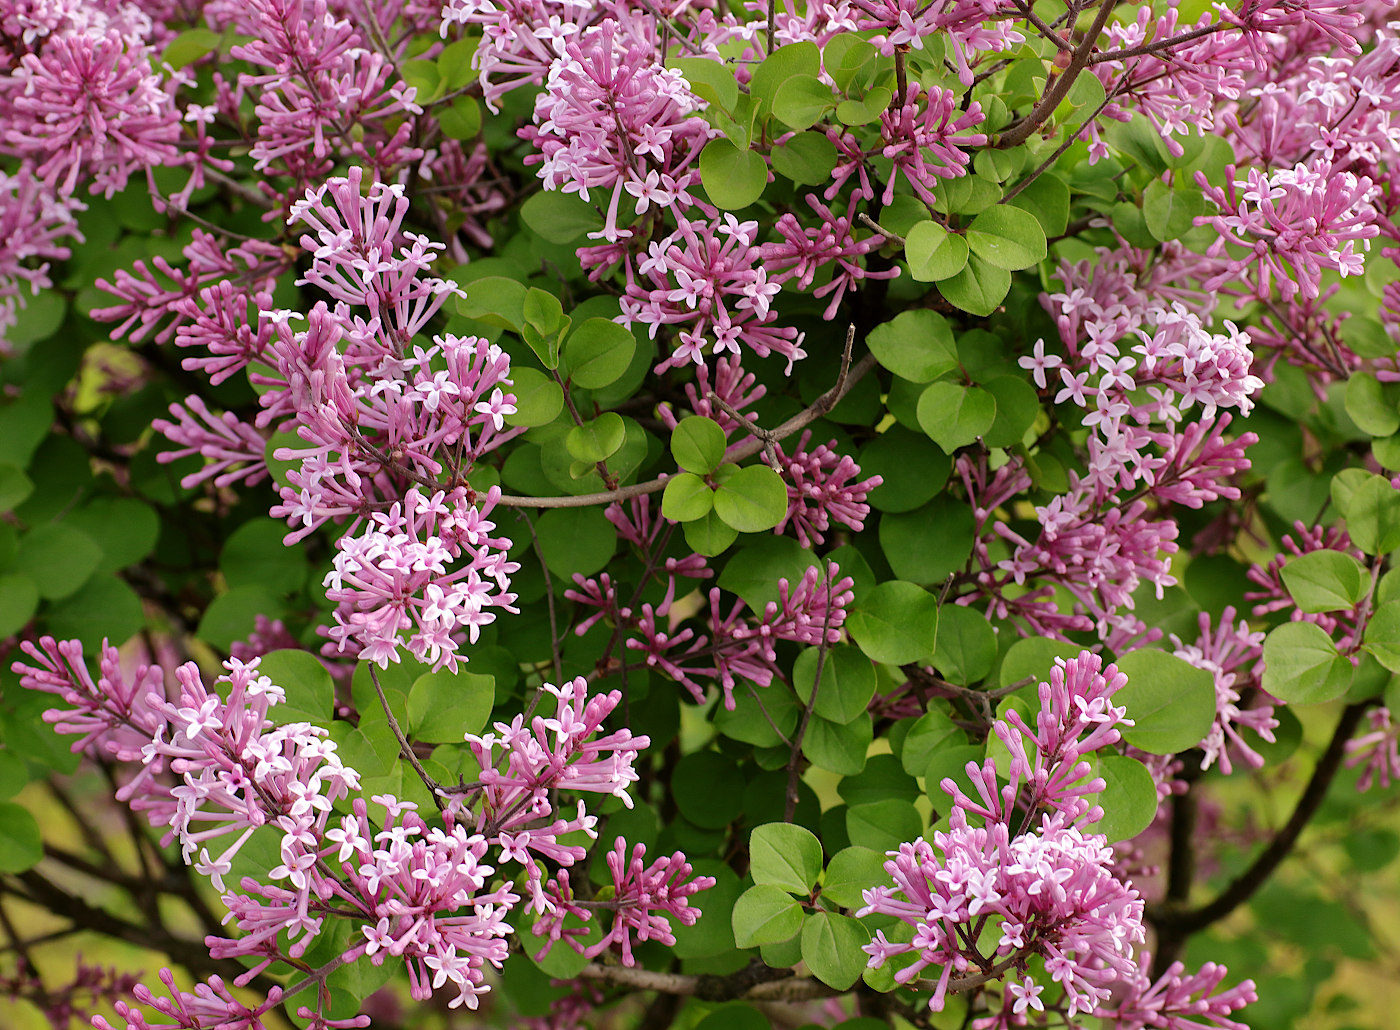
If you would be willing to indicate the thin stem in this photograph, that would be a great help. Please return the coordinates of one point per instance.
(404, 747)
(798, 422)
(1045, 107)
(549, 604)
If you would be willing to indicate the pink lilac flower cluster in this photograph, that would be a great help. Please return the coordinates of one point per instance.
(215, 768)
(733, 646)
(1234, 656)
(33, 223)
(1272, 594)
(1135, 367)
(1021, 858)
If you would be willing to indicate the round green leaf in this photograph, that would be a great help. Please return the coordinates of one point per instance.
(978, 288)
(801, 101)
(967, 645)
(848, 682)
(1370, 407)
(687, 497)
(698, 444)
(1302, 666)
(931, 733)
(1171, 702)
(254, 556)
(21, 846)
(1373, 516)
(765, 914)
(709, 535)
(831, 947)
(597, 440)
(954, 415)
(916, 345)
(933, 253)
(1129, 798)
(883, 825)
(786, 856)
(559, 217)
(233, 614)
(105, 607)
(1326, 581)
(15, 486)
(1017, 406)
(575, 541)
(752, 500)
(58, 558)
(444, 706)
(911, 466)
(733, 178)
(126, 529)
(19, 600)
(851, 871)
(896, 623)
(538, 398)
(708, 788)
(807, 159)
(838, 747)
(309, 689)
(1007, 237)
(1383, 633)
(598, 352)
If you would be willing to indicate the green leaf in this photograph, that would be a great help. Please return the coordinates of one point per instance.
(883, 825)
(709, 535)
(848, 682)
(543, 310)
(800, 60)
(460, 119)
(254, 555)
(1047, 197)
(807, 159)
(831, 947)
(1007, 237)
(233, 614)
(1129, 798)
(1373, 516)
(732, 178)
(538, 398)
(710, 80)
(954, 415)
(455, 63)
(687, 497)
(58, 558)
(978, 288)
(865, 110)
(896, 623)
(801, 101)
(1368, 405)
(1171, 213)
(931, 733)
(597, 440)
(308, 687)
(108, 607)
(934, 253)
(851, 871)
(912, 466)
(127, 529)
(1017, 408)
(189, 46)
(1383, 634)
(786, 856)
(967, 646)
(21, 846)
(698, 444)
(19, 600)
(1171, 702)
(708, 788)
(849, 60)
(575, 541)
(1366, 337)
(1326, 581)
(752, 500)
(838, 747)
(423, 76)
(14, 774)
(15, 486)
(761, 564)
(559, 217)
(765, 915)
(444, 706)
(598, 352)
(496, 300)
(915, 345)
(1302, 666)
(882, 779)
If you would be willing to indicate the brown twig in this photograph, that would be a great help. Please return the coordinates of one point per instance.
(404, 748)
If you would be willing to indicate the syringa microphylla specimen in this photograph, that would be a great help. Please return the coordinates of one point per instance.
(793, 504)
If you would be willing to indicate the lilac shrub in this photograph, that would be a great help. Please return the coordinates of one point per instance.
(590, 512)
